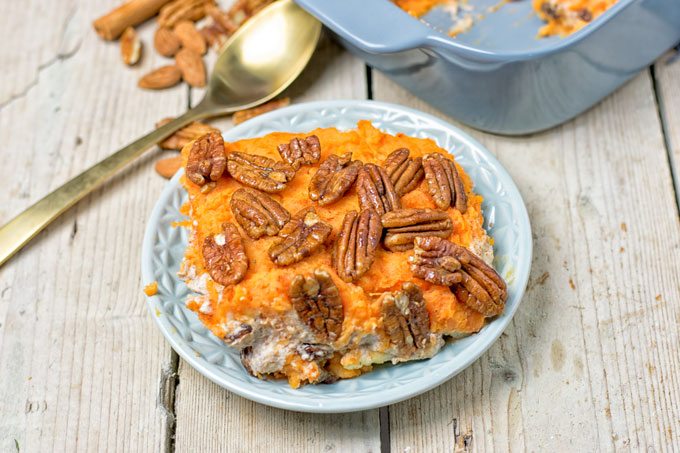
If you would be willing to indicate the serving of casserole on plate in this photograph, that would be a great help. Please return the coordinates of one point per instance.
(335, 238)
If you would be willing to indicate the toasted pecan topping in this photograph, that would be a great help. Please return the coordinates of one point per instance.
(474, 282)
(356, 245)
(404, 225)
(318, 304)
(405, 319)
(444, 182)
(298, 152)
(404, 172)
(259, 172)
(225, 256)
(207, 159)
(258, 213)
(303, 235)
(375, 190)
(335, 176)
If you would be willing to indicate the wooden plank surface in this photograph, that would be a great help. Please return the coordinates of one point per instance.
(83, 366)
(591, 359)
(212, 419)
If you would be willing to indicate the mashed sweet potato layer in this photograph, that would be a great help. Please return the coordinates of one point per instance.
(264, 290)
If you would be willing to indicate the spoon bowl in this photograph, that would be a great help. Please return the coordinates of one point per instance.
(258, 62)
(263, 57)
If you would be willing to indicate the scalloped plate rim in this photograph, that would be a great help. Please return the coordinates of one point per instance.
(482, 340)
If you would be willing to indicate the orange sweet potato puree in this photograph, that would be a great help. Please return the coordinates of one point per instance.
(572, 15)
(264, 290)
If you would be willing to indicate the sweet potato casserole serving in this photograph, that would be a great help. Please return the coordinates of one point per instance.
(319, 255)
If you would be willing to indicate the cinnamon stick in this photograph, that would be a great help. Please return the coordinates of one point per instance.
(112, 25)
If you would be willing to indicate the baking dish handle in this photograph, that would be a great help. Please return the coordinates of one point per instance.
(354, 20)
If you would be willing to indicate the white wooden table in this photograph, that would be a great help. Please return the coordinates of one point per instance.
(590, 362)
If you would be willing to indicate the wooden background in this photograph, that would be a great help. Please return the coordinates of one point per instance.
(590, 362)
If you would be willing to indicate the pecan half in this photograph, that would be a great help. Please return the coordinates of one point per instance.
(207, 159)
(258, 213)
(317, 302)
(304, 234)
(259, 172)
(225, 257)
(183, 136)
(404, 172)
(335, 176)
(375, 190)
(404, 225)
(356, 244)
(298, 152)
(406, 320)
(177, 10)
(475, 283)
(444, 182)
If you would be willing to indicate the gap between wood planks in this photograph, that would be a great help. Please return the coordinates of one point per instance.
(658, 98)
(169, 379)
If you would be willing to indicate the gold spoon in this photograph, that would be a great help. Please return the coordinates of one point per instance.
(258, 62)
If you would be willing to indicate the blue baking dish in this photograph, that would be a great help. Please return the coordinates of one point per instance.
(498, 76)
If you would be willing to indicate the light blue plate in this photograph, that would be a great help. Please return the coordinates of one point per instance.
(506, 220)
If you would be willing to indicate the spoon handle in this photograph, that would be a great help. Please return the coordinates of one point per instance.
(18, 231)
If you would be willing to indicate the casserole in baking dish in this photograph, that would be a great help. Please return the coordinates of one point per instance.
(499, 76)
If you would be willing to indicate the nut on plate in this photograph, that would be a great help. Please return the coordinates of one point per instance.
(225, 256)
(207, 159)
(404, 171)
(258, 213)
(375, 190)
(444, 182)
(298, 152)
(406, 320)
(303, 235)
(317, 302)
(402, 226)
(475, 283)
(333, 179)
(356, 245)
(259, 172)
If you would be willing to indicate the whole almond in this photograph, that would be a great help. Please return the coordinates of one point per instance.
(166, 42)
(168, 166)
(163, 77)
(190, 37)
(130, 47)
(191, 65)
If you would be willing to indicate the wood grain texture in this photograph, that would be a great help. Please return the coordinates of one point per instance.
(210, 418)
(591, 360)
(83, 366)
(667, 73)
